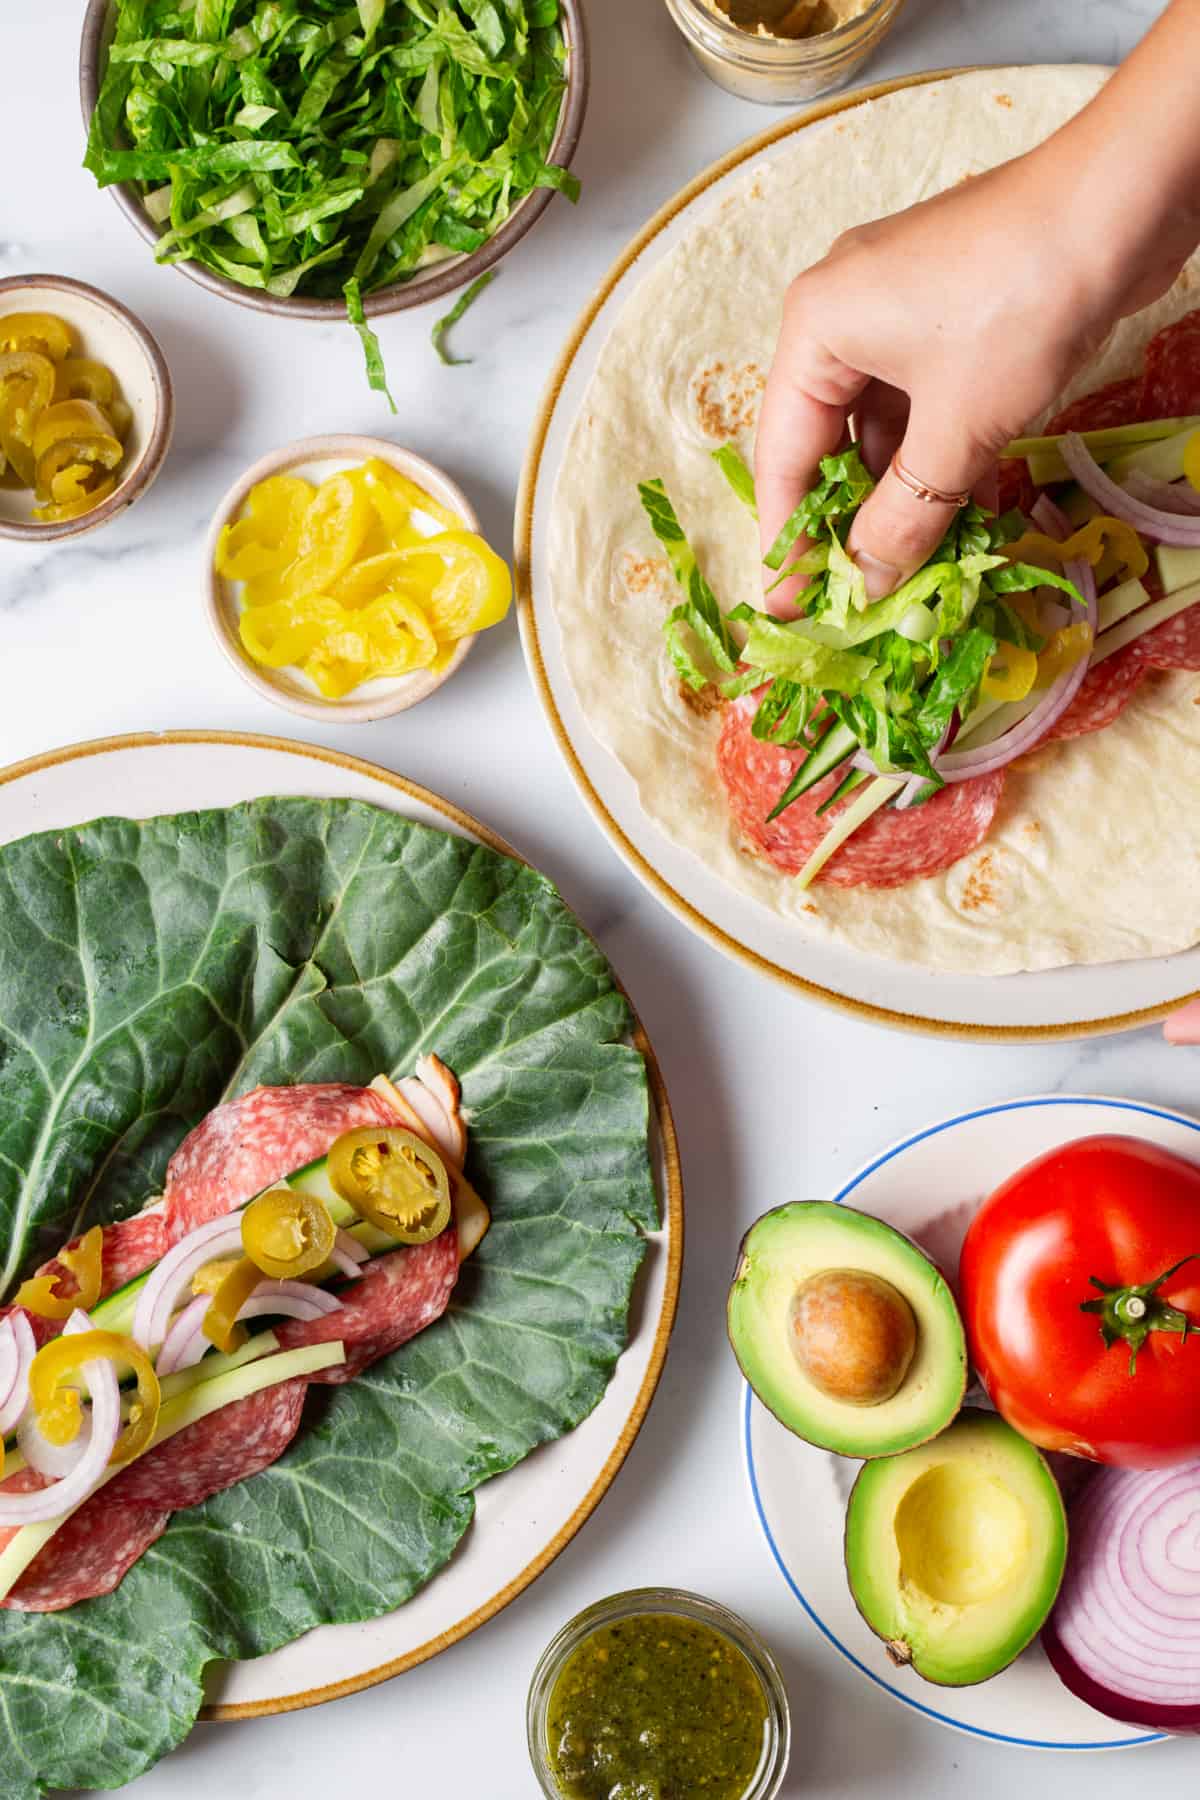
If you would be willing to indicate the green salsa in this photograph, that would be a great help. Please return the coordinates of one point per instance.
(656, 1707)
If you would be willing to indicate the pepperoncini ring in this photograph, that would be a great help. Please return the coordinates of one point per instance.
(1010, 673)
(220, 1321)
(473, 588)
(1191, 460)
(83, 1260)
(43, 332)
(393, 1180)
(58, 1368)
(1099, 538)
(71, 509)
(26, 390)
(287, 1234)
(1062, 650)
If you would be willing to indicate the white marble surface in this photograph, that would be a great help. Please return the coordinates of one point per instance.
(85, 632)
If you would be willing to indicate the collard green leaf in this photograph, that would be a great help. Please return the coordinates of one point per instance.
(149, 970)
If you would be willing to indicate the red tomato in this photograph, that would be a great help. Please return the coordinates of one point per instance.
(1107, 1210)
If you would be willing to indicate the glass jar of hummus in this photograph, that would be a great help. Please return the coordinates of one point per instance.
(779, 52)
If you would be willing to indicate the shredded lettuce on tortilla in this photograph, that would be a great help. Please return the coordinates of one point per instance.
(892, 673)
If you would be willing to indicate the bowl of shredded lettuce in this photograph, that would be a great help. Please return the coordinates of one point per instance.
(315, 158)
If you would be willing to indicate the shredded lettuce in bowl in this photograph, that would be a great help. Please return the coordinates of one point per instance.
(308, 146)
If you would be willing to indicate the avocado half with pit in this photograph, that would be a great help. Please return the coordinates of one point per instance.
(846, 1330)
(955, 1551)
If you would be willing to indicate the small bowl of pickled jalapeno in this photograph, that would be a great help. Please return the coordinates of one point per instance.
(657, 1694)
(86, 407)
(348, 578)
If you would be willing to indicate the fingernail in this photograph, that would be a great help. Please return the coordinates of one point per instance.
(880, 577)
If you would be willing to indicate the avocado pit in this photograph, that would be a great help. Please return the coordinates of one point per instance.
(853, 1334)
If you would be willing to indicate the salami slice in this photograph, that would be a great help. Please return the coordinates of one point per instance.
(87, 1556)
(229, 1446)
(1014, 485)
(128, 1250)
(1104, 693)
(247, 1144)
(892, 848)
(1173, 645)
(1171, 374)
(400, 1295)
(1117, 403)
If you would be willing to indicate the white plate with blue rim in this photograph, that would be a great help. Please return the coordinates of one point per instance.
(928, 1186)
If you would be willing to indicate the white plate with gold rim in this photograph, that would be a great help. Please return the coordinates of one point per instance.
(526, 1516)
(1066, 1003)
(928, 1186)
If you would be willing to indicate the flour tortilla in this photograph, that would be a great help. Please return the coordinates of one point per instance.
(1095, 854)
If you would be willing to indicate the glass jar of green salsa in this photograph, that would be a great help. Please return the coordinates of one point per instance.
(658, 1695)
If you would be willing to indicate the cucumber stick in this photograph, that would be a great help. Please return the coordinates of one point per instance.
(838, 743)
(1177, 567)
(212, 1368)
(176, 1415)
(116, 1312)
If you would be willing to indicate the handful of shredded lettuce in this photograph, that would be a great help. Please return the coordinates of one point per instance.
(893, 674)
(307, 146)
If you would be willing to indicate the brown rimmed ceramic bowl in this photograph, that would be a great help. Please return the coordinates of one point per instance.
(109, 333)
(428, 284)
(315, 458)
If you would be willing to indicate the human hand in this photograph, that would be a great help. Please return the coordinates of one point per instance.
(943, 331)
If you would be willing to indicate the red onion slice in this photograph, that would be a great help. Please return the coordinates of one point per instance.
(173, 1277)
(290, 1300)
(10, 1356)
(348, 1255)
(961, 765)
(52, 1460)
(25, 1343)
(1167, 527)
(1125, 1633)
(1053, 521)
(185, 1343)
(1169, 496)
(90, 1469)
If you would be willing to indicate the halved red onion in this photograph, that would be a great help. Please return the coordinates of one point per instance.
(17, 1332)
(92, 1465)
(173, 1277)
(290, 1300)
(1125, 1633)
(185, 1343)
(1155, 521)
(1169, 496)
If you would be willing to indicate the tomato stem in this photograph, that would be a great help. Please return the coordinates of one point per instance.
(1129, 1314)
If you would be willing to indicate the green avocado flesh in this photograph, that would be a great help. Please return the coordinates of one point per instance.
(955, 1551)
(785, 1250)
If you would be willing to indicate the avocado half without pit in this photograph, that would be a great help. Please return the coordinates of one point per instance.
(955, 1551)
(846, 1330)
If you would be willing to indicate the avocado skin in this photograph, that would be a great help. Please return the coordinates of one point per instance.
(857, 1437)
(900, 1649)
